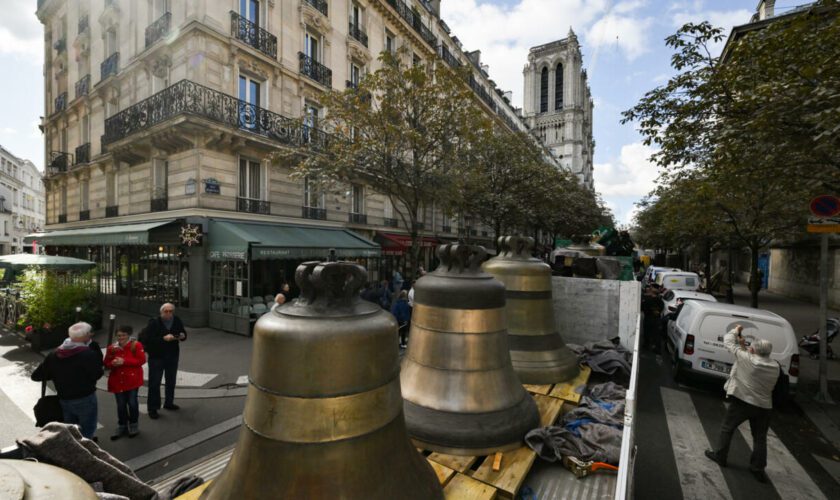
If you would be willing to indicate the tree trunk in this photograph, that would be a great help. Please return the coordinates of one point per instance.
(413, 255)
(754, 282)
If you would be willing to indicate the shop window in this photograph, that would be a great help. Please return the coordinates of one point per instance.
(229, 285)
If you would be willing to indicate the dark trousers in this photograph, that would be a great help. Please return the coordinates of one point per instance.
(736, 412)
(404, 328)
(128, 408)
(82, 412)
(160, 368)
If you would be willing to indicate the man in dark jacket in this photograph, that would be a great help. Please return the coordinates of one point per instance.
(161, 338)
(74, 368)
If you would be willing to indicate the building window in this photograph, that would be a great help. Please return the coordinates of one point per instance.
(110, 42)
(157, 8)
(357, 193)
(311, 114)
(84, 194)
(229, 285)
(390, 42)
(111, 189)
(312, 46)
(312, 195)
(249, 95)
(84, 127)
(544, 90)
(160, 175)
(62, 200)
(160, 81)
(415, 60)
(355, 74)
(558, 87)
(250, 179)
(250, 10)
(356, 12)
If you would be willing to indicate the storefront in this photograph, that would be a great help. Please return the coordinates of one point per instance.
(396, 249)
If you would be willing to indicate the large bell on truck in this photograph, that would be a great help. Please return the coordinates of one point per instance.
(323, 417)
(537, 351)
(461, 393)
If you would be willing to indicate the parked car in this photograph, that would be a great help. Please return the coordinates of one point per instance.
(678, 280)
(651, 273)
(669, 299)
(696, 340)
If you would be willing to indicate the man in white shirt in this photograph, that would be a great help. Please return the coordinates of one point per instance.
(750, 394)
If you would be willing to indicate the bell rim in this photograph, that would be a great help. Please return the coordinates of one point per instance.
(467, 452)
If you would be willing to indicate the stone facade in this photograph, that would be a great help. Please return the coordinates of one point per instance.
(21, 202)
(558, 104)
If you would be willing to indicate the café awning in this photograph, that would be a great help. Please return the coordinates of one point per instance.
(123, 234)
(398, 244)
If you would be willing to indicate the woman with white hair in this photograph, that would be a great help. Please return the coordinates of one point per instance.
(750, 394)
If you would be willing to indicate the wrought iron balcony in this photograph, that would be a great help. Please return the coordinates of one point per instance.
(158, 29)
(83, 153)
(359, 34)
(482, 93)
(446, 229)
(59, 161)
(160, 200)
(314, 213)
(449, 58)
(357, 218)
(84, 214)
(109, 66)
(83, 24)
(189, 98)
(391, 222)
(415, 21)
(320, 5)
(61, 102)
(311, 68)
(62, 218)
(253, 206)
(112, 211)
(251, 34)
(83, 86)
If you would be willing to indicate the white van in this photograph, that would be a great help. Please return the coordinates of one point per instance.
(678, 280)
(652, 271)
(696, 340)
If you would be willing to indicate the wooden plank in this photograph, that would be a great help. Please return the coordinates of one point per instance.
(549, 407)
(537, 389)
(568, 390)
(463, 487)
(443, 473)
(454, 462)
(194, 493)
(512, 474)
(497, 461)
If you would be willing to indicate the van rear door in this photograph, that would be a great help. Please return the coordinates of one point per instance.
(714, 326)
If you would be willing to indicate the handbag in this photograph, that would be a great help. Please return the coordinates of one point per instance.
(48, 408)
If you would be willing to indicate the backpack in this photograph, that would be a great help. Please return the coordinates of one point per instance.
(781, 391)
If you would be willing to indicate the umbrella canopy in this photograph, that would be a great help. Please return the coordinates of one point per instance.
(22, 260)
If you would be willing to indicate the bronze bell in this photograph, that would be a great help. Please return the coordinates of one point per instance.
(538, 353)
(461, 393)
(324, 417)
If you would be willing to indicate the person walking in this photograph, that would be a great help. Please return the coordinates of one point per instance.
(74, 368)
(125, 358)
(161, 339)
(749, 390)
(402, 312)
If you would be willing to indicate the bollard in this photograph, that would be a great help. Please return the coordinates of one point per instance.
(111, 327)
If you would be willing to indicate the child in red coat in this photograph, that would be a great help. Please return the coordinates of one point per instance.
(125, 359)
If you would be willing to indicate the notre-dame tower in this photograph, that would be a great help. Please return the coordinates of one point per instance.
(558, 104)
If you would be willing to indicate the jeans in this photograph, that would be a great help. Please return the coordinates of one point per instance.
(81, 412)
(128, 408)
(736, 412)
(159, 368)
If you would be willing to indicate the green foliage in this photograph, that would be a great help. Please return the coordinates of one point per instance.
(51, 298)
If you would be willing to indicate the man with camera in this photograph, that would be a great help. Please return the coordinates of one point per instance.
(161, 339)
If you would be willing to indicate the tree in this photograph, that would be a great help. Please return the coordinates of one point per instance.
(406, 132)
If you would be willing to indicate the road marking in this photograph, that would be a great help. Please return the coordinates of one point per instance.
(699, 476)
(787, 475)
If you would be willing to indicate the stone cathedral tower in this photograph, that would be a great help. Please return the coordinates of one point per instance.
(558, 104)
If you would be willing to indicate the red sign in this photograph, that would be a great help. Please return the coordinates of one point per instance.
(825, 206)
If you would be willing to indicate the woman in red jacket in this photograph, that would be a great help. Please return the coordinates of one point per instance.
(125, 358)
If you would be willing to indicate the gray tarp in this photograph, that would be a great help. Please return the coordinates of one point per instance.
(604, 357)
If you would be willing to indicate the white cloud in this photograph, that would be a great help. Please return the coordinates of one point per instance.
(8, 131)
(725, 19)
(21, 34)
(632, 174)
(629, 34)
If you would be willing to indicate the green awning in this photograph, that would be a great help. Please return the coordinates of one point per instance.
(237, 241)
(126, 234)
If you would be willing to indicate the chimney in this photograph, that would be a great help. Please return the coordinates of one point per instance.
(766, 9)
(475, 57)
(435, 7)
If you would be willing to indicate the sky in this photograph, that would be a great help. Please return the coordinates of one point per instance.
(623, 52)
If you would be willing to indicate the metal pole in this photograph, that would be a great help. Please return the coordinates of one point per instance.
(823, 394)
(111, 327)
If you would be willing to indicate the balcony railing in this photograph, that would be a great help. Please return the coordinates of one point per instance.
(414, 21)
(311, 68)
(186, 97)
(359, 34)
(355, 218)
(160, 200)
(109, 66)
(314, 213)
(253, 206)
(449, 58)
(83, 153)
(62, 218)
(251, 34)
(158, 29)
(61, 102)
(482, 93)
(83, 24)
(388, 222)
(112, 211)
(59, 161)
(320, 5)
(84, 214)
(83, 86)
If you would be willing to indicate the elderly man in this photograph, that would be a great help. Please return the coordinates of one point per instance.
(74, 368)
(750, 391)
(161, 338)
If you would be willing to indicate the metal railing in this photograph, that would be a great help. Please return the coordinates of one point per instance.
(414, 20)
(186, 97)
(60, 102)
(253, 205)
(59, 161)
(355, 218)
(83, 24)
(160, 200)
(84, 214)
(311, 68)
(83, 86)
(112, 211)
(359, 34)
(314, 213)
(83, 153)
(320, 5)
(449, 58)
(251, 34)
(109, 66)
(158, 29)
(391, 222)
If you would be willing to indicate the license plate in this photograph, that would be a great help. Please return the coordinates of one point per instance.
(715, 366)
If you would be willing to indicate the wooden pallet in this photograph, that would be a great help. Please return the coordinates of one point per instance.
(568, 391)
